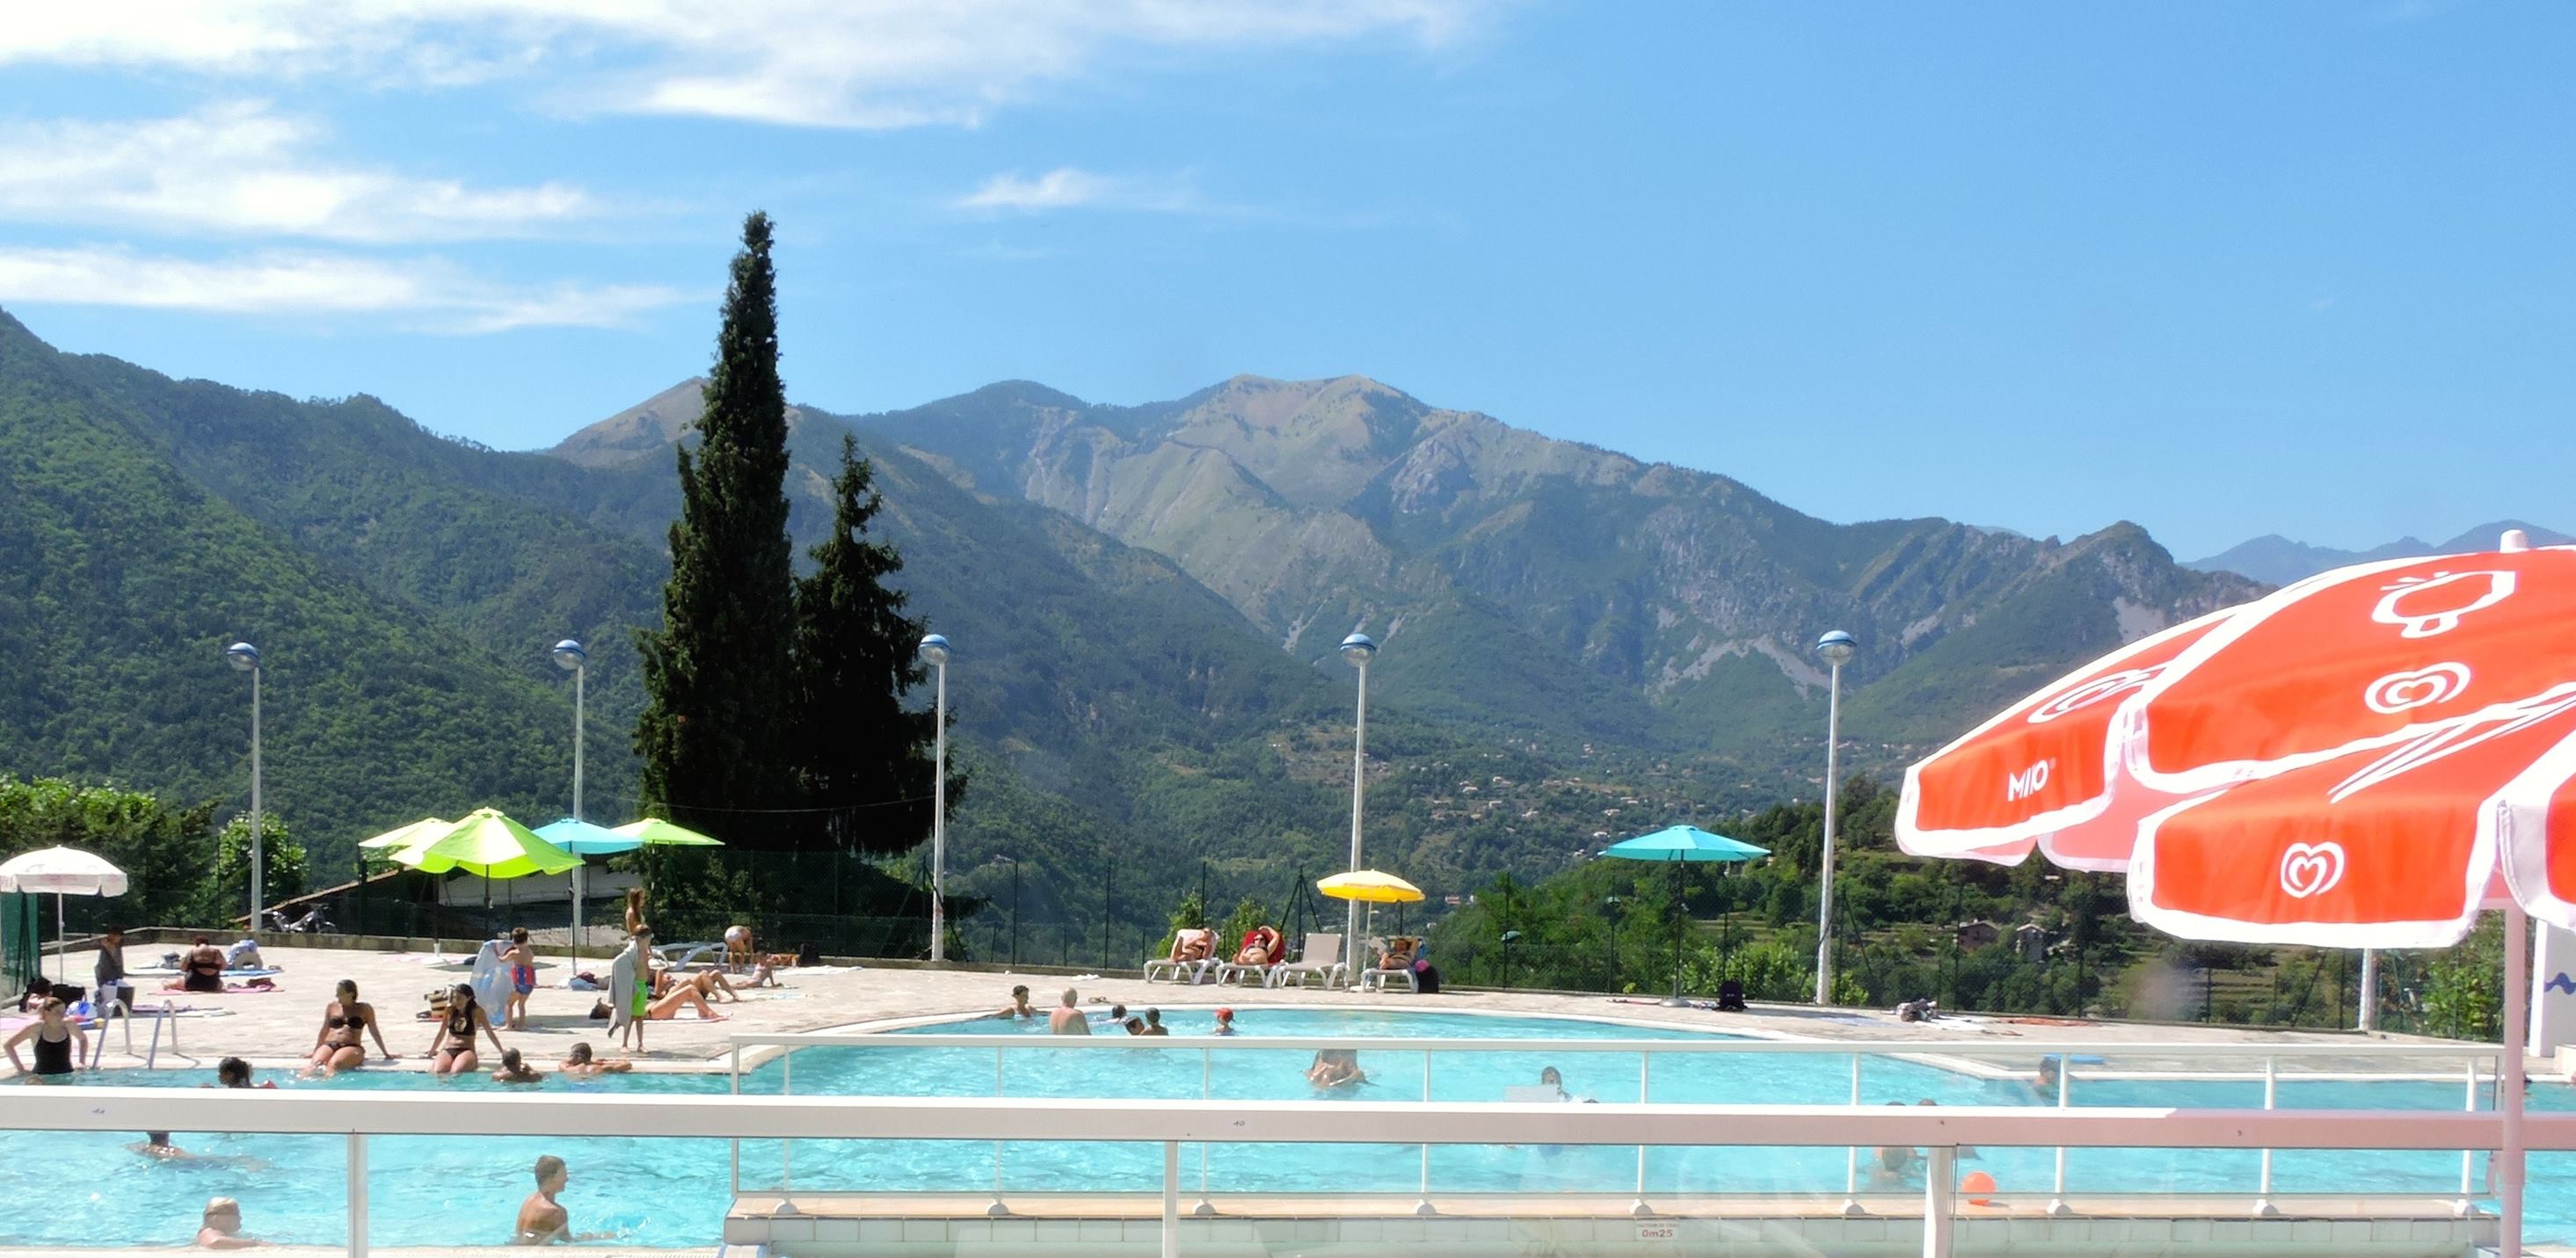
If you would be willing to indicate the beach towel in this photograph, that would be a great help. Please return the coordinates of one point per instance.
(623, 975)
(491, 979)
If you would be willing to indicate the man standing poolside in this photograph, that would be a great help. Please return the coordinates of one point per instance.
(1066, 1018)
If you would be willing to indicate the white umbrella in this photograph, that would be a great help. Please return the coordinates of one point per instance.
(62, 871)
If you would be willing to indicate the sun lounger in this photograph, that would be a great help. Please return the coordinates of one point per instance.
(680, 956)
(1231, 972)
(1322, 958)
(1376, 978)
(1174, 968)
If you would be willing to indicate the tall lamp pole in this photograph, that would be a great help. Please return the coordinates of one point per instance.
(1837, 647)
(1358, 650)
(934, 652)
(568, 654)
(246, 658)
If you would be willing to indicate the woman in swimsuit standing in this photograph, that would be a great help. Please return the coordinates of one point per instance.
(452, 1052)
(339, 1046)
(56, 1037)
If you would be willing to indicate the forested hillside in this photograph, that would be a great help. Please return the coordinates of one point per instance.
(1577, 646)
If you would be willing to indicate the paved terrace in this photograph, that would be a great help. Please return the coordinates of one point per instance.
(276, 1029)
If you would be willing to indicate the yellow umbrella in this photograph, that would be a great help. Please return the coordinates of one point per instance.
(404, 836)
(1370, 887)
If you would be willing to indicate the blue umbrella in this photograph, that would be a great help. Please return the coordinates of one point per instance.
(584, 839)
(1678, 844)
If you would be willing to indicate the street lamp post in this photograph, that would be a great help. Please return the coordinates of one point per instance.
(246, 658)
(934, 652)
(1837, 647)
(1358, 650)
(569, 655)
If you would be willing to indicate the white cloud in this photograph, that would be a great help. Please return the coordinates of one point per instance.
(242, 168)
(1066, 188)
(431, 293)
(880, 64)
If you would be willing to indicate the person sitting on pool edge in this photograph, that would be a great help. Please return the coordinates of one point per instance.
(578, 1063)
(515, 1069)
(1067, 1018)
(220, 1227)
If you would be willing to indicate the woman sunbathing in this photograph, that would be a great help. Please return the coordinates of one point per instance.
(1260, 947)
(338, 1045)
(689, 995)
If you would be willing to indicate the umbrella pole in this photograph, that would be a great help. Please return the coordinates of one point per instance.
(2509, 1083)
(61, 940)
(577, 872)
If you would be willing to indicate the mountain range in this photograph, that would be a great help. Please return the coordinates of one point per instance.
(2276, 560)
(1146, 603)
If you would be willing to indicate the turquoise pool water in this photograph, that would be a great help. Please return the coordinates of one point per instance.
(427, 1191)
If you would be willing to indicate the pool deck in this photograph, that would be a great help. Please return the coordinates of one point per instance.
(276, 1029)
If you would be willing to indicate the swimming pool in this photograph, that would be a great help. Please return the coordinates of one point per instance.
(450, 1191)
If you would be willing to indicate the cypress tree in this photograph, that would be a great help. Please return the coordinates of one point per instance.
(713, 734)
(862, 755)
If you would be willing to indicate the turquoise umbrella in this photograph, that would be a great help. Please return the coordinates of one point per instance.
(1678, 844)
(581, 838)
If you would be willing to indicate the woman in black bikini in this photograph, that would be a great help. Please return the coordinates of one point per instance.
(55, 1036)
(338, 1046)
(203, 971)
(452, 1052)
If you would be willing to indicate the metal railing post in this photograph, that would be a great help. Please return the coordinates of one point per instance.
(2468, 1157)
(1638, 1208)
(2263, 1207)
(1171, 1199)
(995, 1209)
(357, 1194)
(1851, 1156)
(1422, 1204)
(1940, 1176)
(736, 1144)
(2065, 1088)
(786, 1147)
(1207, 1092)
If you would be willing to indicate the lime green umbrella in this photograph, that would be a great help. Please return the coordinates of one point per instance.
(489, 844)
(405, 836)
(655, 832)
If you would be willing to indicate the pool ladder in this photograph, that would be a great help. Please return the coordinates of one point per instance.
(119, 1011)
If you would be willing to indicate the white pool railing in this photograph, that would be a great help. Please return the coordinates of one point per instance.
(1940, 1132)
(2481, 1063)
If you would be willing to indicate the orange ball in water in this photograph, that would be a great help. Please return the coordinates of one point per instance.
(1978, 1182)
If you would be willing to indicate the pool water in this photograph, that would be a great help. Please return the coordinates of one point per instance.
(466, 1191)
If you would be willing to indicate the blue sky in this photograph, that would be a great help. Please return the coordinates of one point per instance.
(2221, 269)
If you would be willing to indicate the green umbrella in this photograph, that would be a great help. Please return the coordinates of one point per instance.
(405, 836)
(655, 832)
(489, 844)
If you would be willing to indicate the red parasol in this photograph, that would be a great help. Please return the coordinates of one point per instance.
(2350, 761)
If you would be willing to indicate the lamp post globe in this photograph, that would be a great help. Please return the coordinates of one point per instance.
(569, 656)
(1837, 649)
(1357, 650)
(245, 658)
(934, 652)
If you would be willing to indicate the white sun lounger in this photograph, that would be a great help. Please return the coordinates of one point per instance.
(1197, 970)
(1322, 958)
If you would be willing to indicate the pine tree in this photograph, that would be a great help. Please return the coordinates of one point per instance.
(861, 754)
(716, 676)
